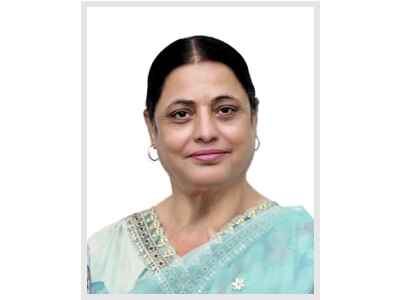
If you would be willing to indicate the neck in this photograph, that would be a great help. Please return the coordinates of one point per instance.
(205, 211)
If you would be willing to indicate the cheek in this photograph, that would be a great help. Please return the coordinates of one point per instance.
(241, 139)
(171, 142)
(239, 135)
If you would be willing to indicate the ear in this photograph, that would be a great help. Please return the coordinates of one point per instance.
(254, 119)
(151, 127)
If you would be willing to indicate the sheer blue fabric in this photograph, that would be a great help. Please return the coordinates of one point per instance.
(270, 253)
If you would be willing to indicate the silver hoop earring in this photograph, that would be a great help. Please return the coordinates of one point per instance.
(149, 153)
(258, 143)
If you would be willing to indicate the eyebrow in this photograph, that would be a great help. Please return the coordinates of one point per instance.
(215, 100)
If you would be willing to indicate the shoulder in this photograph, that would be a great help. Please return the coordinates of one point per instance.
(104, 236)
(293, 217)
(292, 226)
(104, 247)
(111, 234)
(294, 213)
(113, 260)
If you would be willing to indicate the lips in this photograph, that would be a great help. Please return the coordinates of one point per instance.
(209, 155)
(208, 152)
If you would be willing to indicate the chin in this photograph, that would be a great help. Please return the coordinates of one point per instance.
(208, 179)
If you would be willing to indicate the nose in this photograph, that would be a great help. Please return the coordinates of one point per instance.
(205, 130)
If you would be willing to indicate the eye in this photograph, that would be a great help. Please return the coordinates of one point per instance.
(227, 110)
(180, 115)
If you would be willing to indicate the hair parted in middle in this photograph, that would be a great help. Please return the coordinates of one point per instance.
(191, 50)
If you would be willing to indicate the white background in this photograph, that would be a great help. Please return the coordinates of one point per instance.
(278, 45)
(40, 149)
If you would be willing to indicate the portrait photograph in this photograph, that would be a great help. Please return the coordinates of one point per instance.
(200, 149)
(200, 141)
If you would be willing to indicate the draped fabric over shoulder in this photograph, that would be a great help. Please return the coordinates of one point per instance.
(267, 249)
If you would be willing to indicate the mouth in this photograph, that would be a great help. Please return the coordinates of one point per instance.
(209, 155)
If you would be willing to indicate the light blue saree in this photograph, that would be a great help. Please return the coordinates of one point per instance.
(267, 249)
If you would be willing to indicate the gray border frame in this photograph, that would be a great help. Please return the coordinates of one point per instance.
(313, 4)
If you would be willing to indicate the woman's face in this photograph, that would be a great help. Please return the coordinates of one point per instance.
(204, 132)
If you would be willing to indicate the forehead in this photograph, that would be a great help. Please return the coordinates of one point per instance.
(201, 82)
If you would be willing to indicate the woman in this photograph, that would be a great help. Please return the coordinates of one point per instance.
(215, 233)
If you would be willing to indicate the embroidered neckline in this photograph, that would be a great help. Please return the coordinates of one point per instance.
(245, 216)
(148, 235)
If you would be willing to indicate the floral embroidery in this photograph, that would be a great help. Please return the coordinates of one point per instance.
(238, 284)
(147, 234)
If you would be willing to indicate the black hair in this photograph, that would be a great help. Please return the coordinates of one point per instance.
(195, 49)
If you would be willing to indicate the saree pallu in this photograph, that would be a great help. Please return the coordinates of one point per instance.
(267, 250)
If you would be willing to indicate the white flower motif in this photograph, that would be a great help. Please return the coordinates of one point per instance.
(238, 284)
